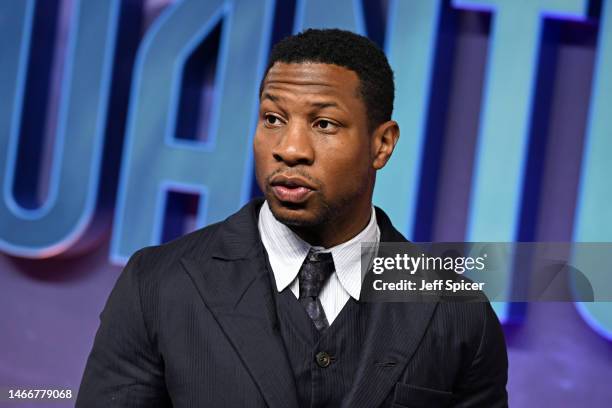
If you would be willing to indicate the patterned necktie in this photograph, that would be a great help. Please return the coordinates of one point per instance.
(316, 269)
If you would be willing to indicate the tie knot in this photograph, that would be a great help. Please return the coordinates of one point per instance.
(316, 269)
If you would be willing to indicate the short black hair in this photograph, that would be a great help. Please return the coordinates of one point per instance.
(349, 50)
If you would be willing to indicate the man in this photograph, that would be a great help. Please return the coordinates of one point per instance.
(263, 308)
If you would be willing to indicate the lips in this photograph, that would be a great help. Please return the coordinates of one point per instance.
(291, 189)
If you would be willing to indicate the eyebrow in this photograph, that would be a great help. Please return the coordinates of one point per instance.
(323, 105)
(319, 105)
(271, 97)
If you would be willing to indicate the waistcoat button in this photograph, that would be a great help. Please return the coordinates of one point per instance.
(323, 359)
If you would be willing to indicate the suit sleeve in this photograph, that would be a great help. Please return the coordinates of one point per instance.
(123, 368)
(484, 383)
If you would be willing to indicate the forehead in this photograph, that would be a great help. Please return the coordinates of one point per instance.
(312, 78)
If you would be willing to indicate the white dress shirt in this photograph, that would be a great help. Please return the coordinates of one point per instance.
(287, 252)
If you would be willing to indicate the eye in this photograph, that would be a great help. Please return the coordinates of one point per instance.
(327, 125)
(271, 120)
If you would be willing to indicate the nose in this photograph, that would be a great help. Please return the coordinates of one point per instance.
(295, 146)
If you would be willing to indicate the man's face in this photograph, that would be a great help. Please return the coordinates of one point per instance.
(312, 146)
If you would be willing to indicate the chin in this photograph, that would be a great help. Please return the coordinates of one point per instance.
(294, 217)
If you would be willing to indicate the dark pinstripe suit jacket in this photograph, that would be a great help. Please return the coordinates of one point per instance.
(192, 324)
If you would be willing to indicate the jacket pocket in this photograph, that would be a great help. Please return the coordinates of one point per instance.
(414, 396)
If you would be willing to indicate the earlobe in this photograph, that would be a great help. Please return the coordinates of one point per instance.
(385, 139)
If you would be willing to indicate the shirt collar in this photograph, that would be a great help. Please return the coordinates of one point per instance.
(287, 251)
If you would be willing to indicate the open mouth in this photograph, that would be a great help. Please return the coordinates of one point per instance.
(291, 189)
(295, 194)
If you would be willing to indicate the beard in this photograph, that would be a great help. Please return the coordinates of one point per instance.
(323, 210)
(320, 209)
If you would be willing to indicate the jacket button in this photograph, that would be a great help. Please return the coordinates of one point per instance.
(323, 359)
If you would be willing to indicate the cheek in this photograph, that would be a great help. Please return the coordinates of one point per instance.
(347, 166)
(261, 146)
(259, 154)
(257, 139)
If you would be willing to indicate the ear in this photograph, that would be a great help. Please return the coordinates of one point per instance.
(384, 139)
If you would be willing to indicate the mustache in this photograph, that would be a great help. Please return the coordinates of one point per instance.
(291, 173)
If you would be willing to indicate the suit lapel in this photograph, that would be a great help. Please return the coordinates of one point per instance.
(235, 285)
(393, 335)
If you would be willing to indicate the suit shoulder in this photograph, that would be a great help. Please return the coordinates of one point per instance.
(165, 257)
(470, 313)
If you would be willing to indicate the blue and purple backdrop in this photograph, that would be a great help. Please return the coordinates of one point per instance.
(128, 123)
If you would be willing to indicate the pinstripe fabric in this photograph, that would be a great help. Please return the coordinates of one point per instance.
(322, 386)
(193, 323)
(287, 252)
